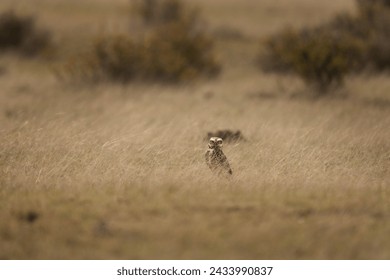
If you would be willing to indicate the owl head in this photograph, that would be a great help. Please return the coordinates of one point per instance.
(215, 143)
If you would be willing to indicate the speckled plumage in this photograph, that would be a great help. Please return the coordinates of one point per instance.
(216, 159)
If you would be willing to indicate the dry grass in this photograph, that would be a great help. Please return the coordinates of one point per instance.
(117, 172)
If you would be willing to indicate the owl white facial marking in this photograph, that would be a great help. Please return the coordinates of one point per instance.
(216, 159)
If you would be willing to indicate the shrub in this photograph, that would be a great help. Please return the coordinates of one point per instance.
(378, 55)
(20, 33)
(372, 15)
(322, 58)
(118, 57)
(349, 24)
(324, 55)
(176, 50)
(171, 54)
(372, 25)
(370, 8)
(157, 12)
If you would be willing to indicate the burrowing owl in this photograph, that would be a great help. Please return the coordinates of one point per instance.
(215, 158)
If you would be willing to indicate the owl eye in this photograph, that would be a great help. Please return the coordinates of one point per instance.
(219, 141)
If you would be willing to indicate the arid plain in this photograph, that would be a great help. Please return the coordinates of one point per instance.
(117, 171)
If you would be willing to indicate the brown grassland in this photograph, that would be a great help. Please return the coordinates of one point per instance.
(114, 171)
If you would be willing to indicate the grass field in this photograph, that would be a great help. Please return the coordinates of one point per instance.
(117, 171)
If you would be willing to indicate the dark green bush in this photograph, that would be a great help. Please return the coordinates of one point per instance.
(20, 33)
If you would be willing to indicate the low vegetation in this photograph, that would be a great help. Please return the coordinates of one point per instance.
(170, 54)
(174, 48)
(160, 12)
(20, 34)
(323, 56)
